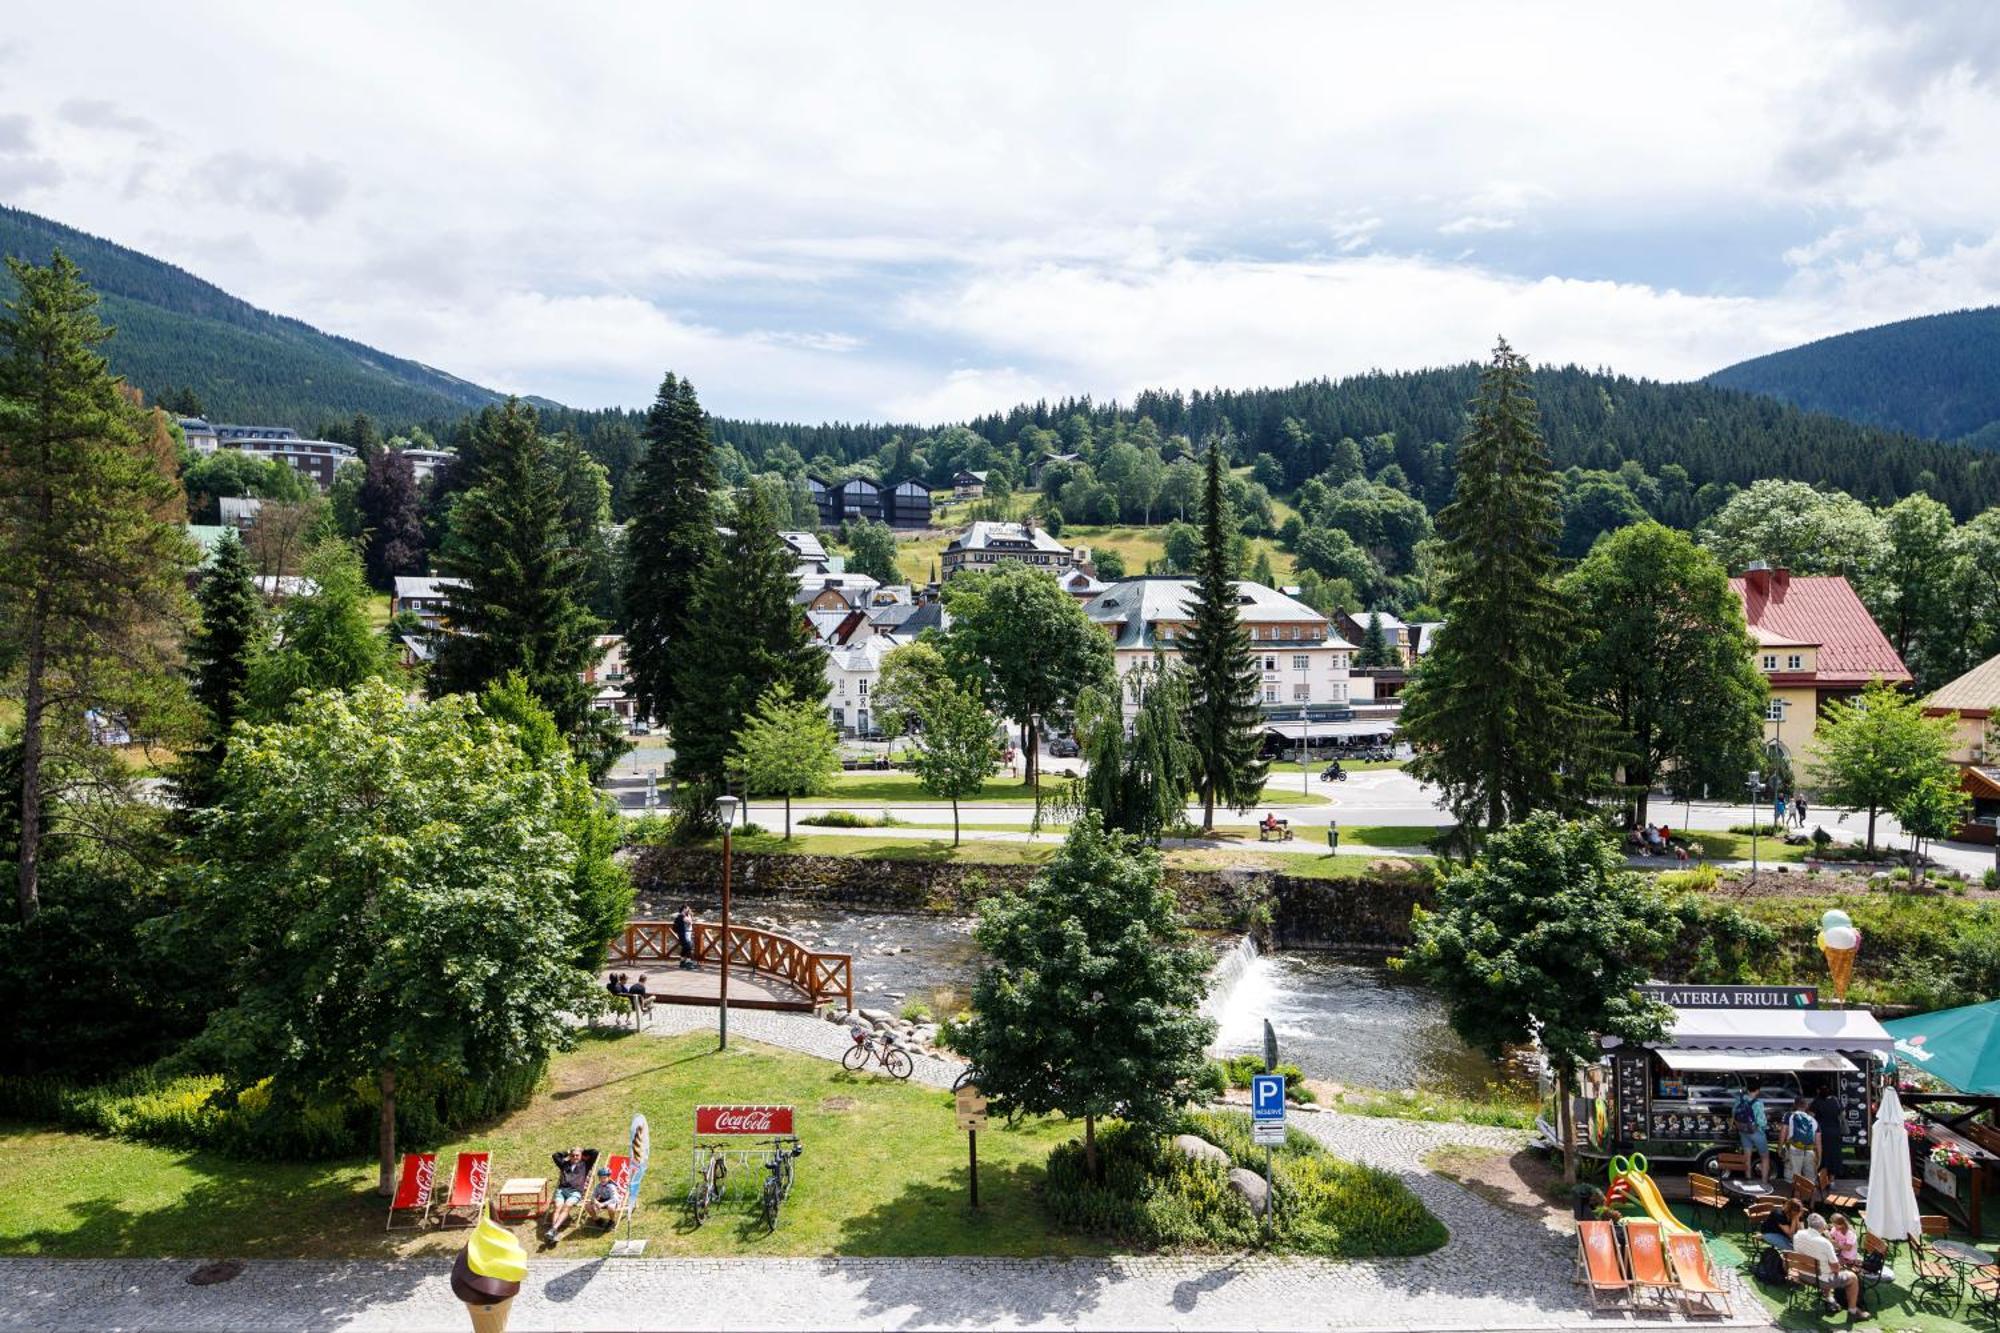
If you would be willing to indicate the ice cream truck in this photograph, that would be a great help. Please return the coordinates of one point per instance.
(1672, 1100)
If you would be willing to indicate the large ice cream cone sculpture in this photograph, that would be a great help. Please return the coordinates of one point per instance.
(1841, 943)
(487, 1275)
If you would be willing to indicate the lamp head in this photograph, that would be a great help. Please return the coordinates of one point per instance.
(725, 809)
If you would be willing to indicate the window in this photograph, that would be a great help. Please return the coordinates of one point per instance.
(1339, 693)
(1270, 694)
(1301, 693)
(862, 689)
(1770, 661)
(1796, 662)
(840, 686)
(1270, 664)
(1774, 710)
(1300, 662)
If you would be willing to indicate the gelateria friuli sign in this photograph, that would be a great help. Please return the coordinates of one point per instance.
(1734, 997)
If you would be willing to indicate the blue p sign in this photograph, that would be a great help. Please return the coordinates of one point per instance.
(1267, 1097)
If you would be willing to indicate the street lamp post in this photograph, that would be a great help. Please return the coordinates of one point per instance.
(1034, 746)
(1756, 785)
(725, 808)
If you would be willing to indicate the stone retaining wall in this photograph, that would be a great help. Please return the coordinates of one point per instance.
(1370, 911)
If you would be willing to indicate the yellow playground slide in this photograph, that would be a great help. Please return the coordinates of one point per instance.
(1639, 1187)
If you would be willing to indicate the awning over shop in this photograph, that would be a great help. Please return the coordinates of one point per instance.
(1761, 1062)
(1326, 731)
(1774, 1030)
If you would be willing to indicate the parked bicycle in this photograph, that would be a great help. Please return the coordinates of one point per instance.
(878, 1046)
(778, 1177)
(709, 1186)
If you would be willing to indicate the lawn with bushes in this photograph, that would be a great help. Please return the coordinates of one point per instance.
(895, 785)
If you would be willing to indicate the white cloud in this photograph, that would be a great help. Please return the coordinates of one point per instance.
(1473, 223)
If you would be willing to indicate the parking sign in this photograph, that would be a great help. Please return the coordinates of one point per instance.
(1267, 1110)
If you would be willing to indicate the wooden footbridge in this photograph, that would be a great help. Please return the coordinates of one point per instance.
(766, 970)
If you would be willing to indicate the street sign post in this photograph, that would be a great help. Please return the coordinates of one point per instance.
(1267, 1128)
(972, 1119)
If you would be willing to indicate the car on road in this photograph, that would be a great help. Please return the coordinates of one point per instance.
(1064, 747)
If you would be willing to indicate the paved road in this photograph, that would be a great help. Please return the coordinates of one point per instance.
(1498, 1271)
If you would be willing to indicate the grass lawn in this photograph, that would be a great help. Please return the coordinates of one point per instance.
(883, 1172)
(1736, 847)
(806, 843)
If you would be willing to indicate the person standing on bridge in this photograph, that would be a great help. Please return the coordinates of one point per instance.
(684, 932)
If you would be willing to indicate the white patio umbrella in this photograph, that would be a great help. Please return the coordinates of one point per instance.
(1892, 1202)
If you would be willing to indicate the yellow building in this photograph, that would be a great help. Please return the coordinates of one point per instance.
(1973, 699)
(1814, 641)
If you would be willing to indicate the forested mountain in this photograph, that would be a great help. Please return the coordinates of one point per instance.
(1938, 376)
(243, 364)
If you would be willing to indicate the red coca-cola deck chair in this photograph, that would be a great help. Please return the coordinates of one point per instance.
(621, 1176)
(412, 1205)
(468, 1190)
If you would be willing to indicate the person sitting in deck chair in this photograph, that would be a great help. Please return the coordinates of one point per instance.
(605, 1196)
(572, 1178)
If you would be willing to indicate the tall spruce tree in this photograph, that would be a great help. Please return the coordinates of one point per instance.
(523, 605)
(229, 634)
(1492, 723)
(744, 636)
(1375, 650)
(93, 566)
(670, 541)
(392, 517)
(1224, 719)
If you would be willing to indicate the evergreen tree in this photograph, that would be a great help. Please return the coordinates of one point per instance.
(670, 541)
(744, 636)
(1375, 649)
(1225, 723)
(523, 603)
(219, 653)
(91, 572)
(1488, 713)
(392, 518)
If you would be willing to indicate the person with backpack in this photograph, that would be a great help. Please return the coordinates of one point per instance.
(1748, 1116)
(1827, 1109)
(1801, 1144)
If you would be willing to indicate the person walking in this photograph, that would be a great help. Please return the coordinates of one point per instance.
(1826, 1112)
(1799, 809)
(684, 933)
(1749, 1117)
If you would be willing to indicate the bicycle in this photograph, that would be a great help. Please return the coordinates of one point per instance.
(778, 1178)
(878, 1046)
(709, 1186)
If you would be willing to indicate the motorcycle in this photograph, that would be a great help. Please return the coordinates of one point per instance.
(1333, 773)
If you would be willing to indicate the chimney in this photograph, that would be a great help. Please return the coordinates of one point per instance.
(1757, 580)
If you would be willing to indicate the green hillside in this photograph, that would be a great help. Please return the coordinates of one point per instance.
(245, 364)
(1938, 376)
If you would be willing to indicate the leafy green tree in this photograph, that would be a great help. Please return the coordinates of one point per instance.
(745, 635)
(1140, 783)
(955, 751)
(1224, 719)
(1493, 727)
(786, 748)
(1594, 504)
(911, 673)
(1183, 546)
(343, 501)
(324, 640)
(1026, 644)
(1092, 946)
(1110, 564)
(1262, 573)
(233, 472)
(1545, 938)
(392, 518)
(670, 541)
(227, 638)
(1912, 591)
(1333, 554)
(1793, 525)
(1375, 649)
(1662, 647)
(1932, 808)
(93, 562)
(1870, 752)
(872, 550)
(522, 600)
(395, 888)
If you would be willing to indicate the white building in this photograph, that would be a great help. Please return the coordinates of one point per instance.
(424, 463)
(853, 670)
(200, 436)
(984, 545)
(611, 679)
(424, 597)
(1303, 664)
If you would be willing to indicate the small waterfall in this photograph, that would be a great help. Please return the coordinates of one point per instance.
(1230, 969)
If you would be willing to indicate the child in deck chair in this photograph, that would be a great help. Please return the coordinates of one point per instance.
(572, 1178)
(605, 1196)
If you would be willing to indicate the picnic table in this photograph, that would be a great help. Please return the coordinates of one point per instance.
(522, 1197)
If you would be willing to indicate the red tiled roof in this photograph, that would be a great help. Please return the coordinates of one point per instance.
(1822, 609)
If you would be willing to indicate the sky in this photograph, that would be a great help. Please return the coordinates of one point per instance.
(919, 212)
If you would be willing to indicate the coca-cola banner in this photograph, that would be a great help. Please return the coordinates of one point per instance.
(742, 1119)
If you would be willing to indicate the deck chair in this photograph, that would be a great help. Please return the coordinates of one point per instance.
(1648, 1257)
(621, 1176)
(1598, 1265)
(1701, 1291)
(467, 1199)
(411, 1207)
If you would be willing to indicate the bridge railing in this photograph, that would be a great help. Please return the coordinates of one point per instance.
(823, 976)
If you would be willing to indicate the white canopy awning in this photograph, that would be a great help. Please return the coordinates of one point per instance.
(1758, 1062)
(1329, 731)
(1774, 1030)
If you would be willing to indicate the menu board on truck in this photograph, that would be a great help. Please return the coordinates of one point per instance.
(1633, 1079)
